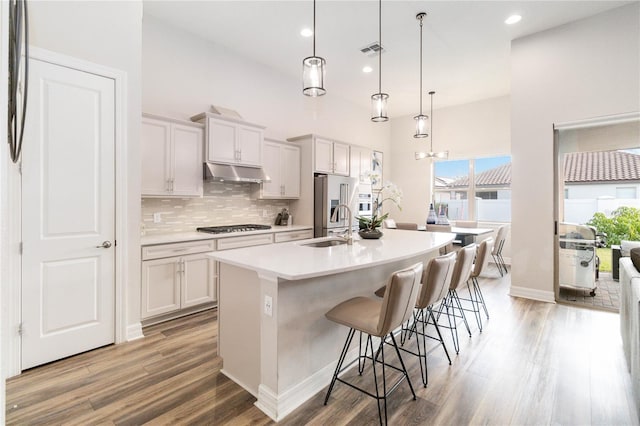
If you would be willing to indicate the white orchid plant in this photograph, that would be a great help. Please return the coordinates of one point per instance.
(388, 192)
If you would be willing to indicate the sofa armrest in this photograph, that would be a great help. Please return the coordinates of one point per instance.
(615, 262)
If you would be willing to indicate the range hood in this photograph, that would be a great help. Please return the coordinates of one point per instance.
(230, 173)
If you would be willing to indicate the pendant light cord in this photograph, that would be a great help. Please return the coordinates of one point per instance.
(431, 121)
(421, 65)
(380, 42)
(314, 28)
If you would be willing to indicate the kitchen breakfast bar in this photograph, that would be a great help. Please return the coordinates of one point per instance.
(273, 336)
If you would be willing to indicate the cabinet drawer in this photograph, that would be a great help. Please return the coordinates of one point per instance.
(246, 241)
(177, 249)
(282, 237)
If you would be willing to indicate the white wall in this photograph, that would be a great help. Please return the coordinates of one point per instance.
(4, 205)
(109, 34)
(584, 69)
(184, 75)
(478, 129)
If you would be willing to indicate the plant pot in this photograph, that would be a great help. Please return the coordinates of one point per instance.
(370, 234)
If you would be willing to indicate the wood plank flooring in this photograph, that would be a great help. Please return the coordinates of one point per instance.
(534, 363)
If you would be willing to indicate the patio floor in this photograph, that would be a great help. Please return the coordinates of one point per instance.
(607, 294)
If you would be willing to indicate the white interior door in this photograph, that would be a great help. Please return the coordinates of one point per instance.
(68, 194)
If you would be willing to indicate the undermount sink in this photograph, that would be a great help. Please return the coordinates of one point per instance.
(326, 243)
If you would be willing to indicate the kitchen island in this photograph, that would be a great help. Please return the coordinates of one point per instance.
(273, 337)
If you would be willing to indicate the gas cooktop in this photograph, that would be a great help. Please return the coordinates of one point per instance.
(232, 228)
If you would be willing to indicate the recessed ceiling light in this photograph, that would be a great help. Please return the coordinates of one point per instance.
(513, 19)
(367, 69)
(306, 32)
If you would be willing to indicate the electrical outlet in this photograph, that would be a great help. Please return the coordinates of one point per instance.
(265, 213)
(157, 217)
(268, 306)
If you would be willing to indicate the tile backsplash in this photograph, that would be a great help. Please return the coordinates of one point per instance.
(224, 203)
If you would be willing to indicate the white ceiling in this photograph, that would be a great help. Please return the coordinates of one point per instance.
(466, 43)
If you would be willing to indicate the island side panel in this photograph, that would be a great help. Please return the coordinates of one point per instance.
(308, 343)
(239, 312)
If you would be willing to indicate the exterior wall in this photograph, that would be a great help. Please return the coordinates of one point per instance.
(599, 190)
(554, 79)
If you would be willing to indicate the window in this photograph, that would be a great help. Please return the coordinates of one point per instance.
(490, 185)
(452, 188)
(625, 192)
(492, 181)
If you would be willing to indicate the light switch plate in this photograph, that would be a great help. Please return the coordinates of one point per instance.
(157, 217)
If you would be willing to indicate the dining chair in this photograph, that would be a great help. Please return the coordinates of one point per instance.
(441, 228)
(378, 318)
(496, 253)
(467, 223)
(407, 225)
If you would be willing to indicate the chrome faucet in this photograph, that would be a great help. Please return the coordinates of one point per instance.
(334, 218)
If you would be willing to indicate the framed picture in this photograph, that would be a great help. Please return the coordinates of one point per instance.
(376, 169)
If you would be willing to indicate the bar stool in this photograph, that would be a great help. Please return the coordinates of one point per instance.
(475, 294)
(460, 276)
(436, 280)
(482, 260)
(501, 236)
(378, 318)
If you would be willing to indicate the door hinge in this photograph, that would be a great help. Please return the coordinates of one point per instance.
(21, 247)
(20, 329)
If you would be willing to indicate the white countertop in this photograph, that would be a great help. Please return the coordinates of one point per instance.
(294, 261)
(178, 237)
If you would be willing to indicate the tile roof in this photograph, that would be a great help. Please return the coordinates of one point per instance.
(601, 166)
(579, 167)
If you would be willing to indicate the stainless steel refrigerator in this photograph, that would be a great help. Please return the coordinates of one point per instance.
(329, 192)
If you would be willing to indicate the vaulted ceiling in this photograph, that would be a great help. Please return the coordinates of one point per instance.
(466, 43)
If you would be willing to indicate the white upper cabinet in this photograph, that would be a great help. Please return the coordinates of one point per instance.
(341, 159)
(361, 163)
(171, 153)
(231, 141)
(331, 157)
(281, 162)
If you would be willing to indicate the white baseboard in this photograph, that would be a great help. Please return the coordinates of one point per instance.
(134, 332)
(279, 406)
(239, 382)
(529, 293)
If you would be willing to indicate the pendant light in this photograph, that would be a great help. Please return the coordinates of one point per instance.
(379, 100)
(313, 68)
(431, 153)
(421, 119)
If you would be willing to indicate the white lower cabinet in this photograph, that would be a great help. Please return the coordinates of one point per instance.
(174, 283)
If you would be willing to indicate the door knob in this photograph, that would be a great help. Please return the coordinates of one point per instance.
(105, 244)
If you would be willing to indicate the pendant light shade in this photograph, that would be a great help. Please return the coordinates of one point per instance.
(431, 153)
(421, 120)
(379, 100)
(313, 68)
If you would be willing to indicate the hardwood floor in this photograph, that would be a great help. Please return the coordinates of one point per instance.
(534, 363)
